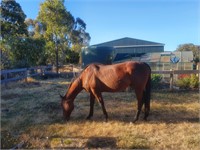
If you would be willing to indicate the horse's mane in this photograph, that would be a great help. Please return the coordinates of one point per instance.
(76, 77)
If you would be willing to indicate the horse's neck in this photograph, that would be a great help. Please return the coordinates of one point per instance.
(74, 89)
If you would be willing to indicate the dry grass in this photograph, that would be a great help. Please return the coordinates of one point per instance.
(31, 112)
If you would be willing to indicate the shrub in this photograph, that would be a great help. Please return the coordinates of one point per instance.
(189, 81)
(183, 82)
(155, 80)
(194, 81)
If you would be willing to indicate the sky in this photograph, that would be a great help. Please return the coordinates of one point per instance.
(171, 22)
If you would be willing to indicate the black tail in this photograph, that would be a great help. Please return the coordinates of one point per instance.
(147, 97)
(148, 92)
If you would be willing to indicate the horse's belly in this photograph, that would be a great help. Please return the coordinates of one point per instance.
(114, 86)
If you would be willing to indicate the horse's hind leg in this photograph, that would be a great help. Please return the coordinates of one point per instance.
(139, 95)
(92, 98)
(147, 106)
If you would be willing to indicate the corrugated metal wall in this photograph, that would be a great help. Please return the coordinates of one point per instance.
(142, 49)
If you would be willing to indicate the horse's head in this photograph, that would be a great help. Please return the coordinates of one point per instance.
(67, 106)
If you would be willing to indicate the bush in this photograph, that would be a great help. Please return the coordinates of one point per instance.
(72, 57)
(155, 80)
(194, 81)
(188, 81)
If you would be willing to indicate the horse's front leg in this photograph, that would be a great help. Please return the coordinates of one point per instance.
(100, 99)
(92, 100)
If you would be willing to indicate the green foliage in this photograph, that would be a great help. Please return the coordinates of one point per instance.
(29, 42)
(188, 82)
(6, 55)
(61, 31)
(29, 52)
(183, 83)
(22, 52)
(72, 56)
(12, 28)
(35, 28)
(194, 81)
(78, 35)
(12, 19)
(57, 27)
(155, 80)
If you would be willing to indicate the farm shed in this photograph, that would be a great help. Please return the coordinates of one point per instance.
(126, 48)
(119, 50)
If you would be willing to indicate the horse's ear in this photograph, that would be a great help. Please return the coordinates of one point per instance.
(75, 75)
(61, 96)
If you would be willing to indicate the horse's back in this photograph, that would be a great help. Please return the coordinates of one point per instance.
(115, 77)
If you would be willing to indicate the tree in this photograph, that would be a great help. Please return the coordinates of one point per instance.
(58, 22)
(17, 49)
(190, 47)
(64, 35)
(78, 35)
(12, 27)
(29, 52)
(12, 19)
(79, 38)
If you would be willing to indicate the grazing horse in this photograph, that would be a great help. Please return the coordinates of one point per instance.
(98, 78)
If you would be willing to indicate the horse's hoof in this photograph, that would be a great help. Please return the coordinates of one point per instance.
(88, 118)
(106, 121)
(145, 119)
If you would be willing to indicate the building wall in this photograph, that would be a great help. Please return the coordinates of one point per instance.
(126, 48)
(145, 49)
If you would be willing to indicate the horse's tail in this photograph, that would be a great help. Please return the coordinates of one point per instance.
(147, 96)
(148, 92)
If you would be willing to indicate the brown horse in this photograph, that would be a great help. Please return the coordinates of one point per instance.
(98, 78)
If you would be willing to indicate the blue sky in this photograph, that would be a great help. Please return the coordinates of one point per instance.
(171, 22)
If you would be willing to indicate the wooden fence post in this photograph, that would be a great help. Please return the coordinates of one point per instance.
(6, 77)
(198, 68)
(26, 75)
(171, 80)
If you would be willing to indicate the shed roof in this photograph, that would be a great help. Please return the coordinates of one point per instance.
(129, 42)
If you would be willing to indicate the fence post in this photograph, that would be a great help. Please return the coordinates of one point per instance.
(171, 80)
(198, 68)
(26, 75)
(6, 77)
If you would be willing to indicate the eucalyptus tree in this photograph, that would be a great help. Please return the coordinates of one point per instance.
(79, 36)
(64, 34)
(12, 28)
(57, 23)
(12, 19)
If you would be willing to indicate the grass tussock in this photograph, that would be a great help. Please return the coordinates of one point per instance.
(31, 113)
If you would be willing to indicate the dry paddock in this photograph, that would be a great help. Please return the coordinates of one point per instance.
(31, 117)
